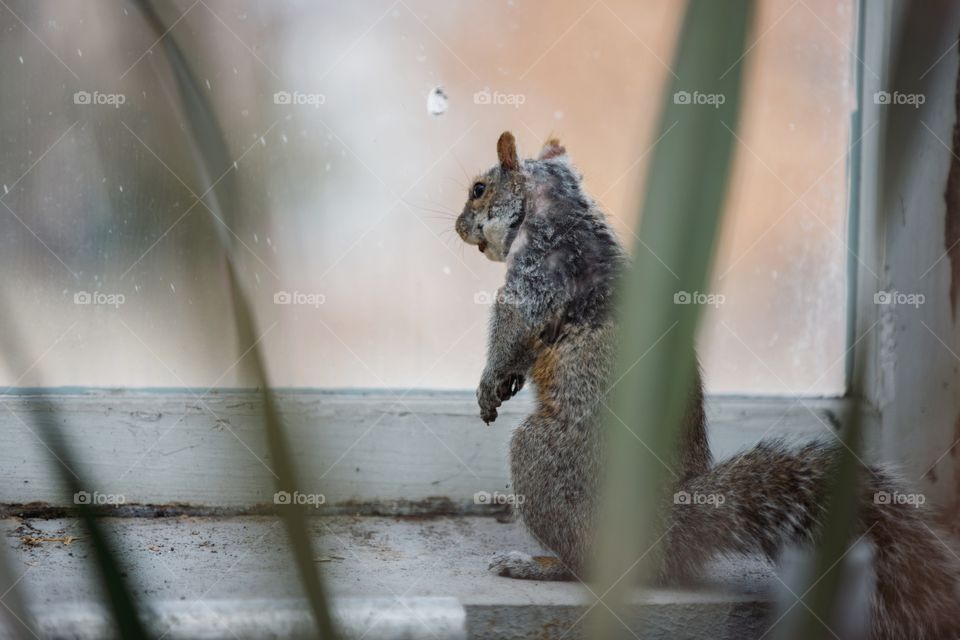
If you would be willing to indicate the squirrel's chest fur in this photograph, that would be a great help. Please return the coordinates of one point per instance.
(571, 372)
(564, 268)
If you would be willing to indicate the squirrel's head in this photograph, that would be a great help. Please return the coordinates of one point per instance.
(496, 201)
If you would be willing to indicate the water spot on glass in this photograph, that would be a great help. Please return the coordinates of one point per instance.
(558, 114)
(21, 59)
(256, 238)
(437, 101)
(446, 270)
(283, 137)
(208, 83)
(173, 288)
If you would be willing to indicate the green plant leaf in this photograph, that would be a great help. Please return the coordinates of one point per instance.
(214, 160)
(686, 188)
(46, 418)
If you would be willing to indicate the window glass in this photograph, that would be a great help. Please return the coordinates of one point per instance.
(349, 165)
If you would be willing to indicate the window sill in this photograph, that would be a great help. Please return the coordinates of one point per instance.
(403, 451)
(232, 577)
(398, 474)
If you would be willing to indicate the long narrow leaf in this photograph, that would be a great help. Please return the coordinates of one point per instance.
(686, 188)
(213, 162)
(14, 609)
(119, 595)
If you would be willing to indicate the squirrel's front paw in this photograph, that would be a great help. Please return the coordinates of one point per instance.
(488, 400)
(488, 407)
(509, 386)
(494, 391)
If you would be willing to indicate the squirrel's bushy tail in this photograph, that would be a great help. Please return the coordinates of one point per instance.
(773, 496)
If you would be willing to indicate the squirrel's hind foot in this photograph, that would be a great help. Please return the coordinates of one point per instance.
(522, 566)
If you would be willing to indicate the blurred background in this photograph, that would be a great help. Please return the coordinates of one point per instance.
(356, 129)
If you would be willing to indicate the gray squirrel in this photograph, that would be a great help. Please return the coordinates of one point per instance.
(553, 322)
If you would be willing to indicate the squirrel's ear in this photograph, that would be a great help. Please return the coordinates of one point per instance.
(552, 149)
(507, 152)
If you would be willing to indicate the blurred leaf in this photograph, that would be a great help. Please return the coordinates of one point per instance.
(214, 160)
(14, 610)
(119, 596)
(686, 187)
(824, 579)
(825, 598)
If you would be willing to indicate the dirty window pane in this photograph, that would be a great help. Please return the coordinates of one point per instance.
(349, 166)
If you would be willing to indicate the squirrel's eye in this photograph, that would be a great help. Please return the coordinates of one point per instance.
(478, 189)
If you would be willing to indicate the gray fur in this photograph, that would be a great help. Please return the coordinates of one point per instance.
(553, 322)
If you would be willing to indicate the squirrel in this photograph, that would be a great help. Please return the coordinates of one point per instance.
(553, 322)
